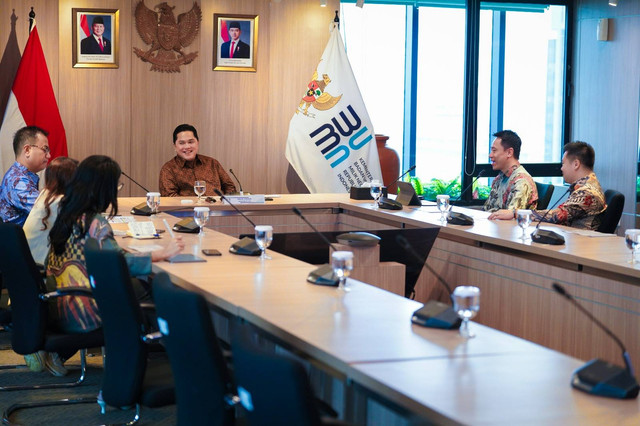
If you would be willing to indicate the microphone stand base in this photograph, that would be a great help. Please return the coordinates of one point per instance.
(141, 209)
(601, 378)
(436, 315)
(543, 236)
(245, 247)
(323, 276)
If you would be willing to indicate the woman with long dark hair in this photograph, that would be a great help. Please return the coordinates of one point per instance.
(92, 191)
(45, 211)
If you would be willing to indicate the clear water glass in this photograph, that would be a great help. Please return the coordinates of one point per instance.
(632, 238)
(466, 303)
(200, 187)
(264, 236)
(342, 264)
(153, 201)
(376, 192)
(201, 217)
(442, 201)
(524, 220)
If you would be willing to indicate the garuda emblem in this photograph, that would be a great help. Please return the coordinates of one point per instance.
(317, 97)
(166, 35)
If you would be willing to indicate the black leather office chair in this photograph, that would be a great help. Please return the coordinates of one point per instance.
(611, 216)
(30, 332)
(545, 191)
(292, 402)
(130, 377)
(205, 393)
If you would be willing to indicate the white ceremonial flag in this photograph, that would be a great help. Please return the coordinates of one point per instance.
(331, 142)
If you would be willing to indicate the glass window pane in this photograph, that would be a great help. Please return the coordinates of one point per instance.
(377, 58)
(440, 93)
(532, 104)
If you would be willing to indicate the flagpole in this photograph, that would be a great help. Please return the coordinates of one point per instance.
(32, 18)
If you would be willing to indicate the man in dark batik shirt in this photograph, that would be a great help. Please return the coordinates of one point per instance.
(586, 201)
(19, 188)
(178, 175)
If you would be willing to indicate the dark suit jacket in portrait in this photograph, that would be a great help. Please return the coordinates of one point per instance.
(242, 50)
(90, 46)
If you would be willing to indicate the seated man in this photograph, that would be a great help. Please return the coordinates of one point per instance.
(586, 200)
(513, 188)
(178, 175)
(19, 188)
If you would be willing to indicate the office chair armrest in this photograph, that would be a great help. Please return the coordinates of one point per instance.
(148, 305)
(68, 291)
(152, 337)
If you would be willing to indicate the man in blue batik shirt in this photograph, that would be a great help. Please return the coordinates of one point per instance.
(19, 188)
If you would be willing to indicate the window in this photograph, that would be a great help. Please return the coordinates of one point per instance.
(409, 61)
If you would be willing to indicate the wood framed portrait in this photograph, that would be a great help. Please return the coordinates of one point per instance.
(95, 38)
(235, 42)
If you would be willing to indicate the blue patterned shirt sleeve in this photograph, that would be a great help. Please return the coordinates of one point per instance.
(18, 194)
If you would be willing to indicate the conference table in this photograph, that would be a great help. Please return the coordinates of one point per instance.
(380, 363)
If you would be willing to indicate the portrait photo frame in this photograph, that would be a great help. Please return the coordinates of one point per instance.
(245, 46)
(99, 49)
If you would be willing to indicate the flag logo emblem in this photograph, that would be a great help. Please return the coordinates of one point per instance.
(317, 97)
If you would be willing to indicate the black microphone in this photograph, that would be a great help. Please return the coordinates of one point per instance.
(457, 218)
(599, 377)
(545, 236)
(324, 274)
(433, 314)
(245, 246)
(241, 192)
(141, 209)
(412, 168)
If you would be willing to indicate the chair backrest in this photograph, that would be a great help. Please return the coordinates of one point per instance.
(611, 216)
(273, 389)
(122, 323)
(545, 191)
(199, 367)
(24, 283)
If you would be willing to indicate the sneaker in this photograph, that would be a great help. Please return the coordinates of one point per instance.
(36, 361)
(53, 363)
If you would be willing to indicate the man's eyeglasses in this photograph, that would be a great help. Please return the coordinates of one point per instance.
(44, 149)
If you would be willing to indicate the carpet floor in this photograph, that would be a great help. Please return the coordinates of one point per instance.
(78, 414)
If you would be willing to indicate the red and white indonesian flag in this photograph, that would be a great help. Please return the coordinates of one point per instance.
(31, 103)
(84, 27)
(331, 143)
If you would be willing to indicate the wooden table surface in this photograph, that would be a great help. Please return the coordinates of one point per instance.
(367, 335)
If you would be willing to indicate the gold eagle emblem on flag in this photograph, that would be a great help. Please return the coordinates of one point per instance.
(317, 97)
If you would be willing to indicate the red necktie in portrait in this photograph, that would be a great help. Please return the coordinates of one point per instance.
(101, 45)
(232, 49)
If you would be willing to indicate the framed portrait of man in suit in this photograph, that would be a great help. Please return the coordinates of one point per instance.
(95, 38)
(235, 42)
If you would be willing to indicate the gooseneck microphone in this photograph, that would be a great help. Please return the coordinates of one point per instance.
(237, 180)
(457, 218)
(599, 377)
(134, 181)
(245, 246)
(545, 236)
(412, 168)
(433, 314)
(141, 209)
(324, 274)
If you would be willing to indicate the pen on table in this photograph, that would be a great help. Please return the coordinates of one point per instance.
(169, 230)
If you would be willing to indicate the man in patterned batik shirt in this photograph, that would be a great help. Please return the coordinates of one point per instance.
(513, 188)
(19, 188)
(586, 201)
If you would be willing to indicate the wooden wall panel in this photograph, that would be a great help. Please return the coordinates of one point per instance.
(94, 103)
(607, 92)
(129, 113)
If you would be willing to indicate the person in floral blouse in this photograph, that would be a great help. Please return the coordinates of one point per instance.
(514, 187)
(586, 200)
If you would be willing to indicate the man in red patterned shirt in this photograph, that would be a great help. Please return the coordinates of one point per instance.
(179, 174)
